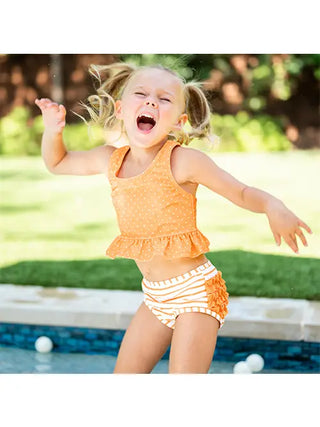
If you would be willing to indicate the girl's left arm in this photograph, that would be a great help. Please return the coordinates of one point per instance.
(283, 222)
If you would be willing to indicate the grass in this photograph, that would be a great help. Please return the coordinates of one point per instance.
(246, 273)
(55, 229)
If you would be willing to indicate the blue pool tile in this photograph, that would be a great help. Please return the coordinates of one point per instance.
(64, 334)
(315, 358)
(270, 355)
(90, 336)
(294, 349)
(111, 344)
(19, 338)
(7, 338)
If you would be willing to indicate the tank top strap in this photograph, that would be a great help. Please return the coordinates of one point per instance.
(116, 160)
(163, 161)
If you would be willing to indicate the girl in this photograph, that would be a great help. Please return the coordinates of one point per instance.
(154, 182)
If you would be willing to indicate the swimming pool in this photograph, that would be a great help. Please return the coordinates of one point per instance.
(21, 361)
(88, 350)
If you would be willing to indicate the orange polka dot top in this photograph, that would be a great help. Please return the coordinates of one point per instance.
(155, 215)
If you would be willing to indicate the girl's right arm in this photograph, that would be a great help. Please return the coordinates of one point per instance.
(54, 153)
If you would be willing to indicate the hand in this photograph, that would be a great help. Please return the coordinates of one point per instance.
(286, 224)
(53, 114)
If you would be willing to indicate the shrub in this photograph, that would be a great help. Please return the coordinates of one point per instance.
(17, 137)
(244, 133)
(21, 135)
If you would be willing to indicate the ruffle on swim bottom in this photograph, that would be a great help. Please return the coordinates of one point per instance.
(190, 244)
(217, 295)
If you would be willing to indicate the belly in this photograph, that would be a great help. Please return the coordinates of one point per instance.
(160, 268)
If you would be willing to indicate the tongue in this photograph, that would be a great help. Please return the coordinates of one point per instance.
(145, 126)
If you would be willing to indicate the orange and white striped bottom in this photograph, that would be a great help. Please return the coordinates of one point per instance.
(200, 290)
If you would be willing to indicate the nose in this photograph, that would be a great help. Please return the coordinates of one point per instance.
(151, 104)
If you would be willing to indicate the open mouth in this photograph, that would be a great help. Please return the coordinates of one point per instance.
(145, 122)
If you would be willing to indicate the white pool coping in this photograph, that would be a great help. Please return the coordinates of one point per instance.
(248, 317)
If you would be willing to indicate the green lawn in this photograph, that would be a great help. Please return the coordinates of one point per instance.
(55, 229)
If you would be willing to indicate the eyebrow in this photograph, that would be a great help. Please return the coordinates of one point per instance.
(165, 91)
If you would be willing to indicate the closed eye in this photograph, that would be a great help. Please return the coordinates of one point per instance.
(165, 99)
(139, 93)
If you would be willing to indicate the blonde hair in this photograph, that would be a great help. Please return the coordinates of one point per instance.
(114, 78)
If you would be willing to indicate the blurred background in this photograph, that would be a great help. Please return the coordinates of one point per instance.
(265, 110)
(260, 102)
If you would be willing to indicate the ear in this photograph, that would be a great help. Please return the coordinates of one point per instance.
(118, 109)
(181, 122)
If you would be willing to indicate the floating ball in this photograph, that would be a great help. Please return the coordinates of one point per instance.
(241, 368)
(255, 362)
(43, 345)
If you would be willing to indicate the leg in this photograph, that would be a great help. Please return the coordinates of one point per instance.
(193, 343)
(144, 343)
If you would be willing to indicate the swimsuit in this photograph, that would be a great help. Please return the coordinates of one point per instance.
(157, 217)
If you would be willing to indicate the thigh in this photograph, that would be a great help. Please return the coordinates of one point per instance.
(193, 343)
(144, 343)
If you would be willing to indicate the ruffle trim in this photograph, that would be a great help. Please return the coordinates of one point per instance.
(190, 244)
(217, 295)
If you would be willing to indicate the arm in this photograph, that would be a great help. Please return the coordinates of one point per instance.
(55, 155)
(283, 223)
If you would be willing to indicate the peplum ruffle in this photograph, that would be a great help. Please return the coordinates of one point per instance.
(190, 244)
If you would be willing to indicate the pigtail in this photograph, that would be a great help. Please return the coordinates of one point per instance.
(199, 113)
(101, 106)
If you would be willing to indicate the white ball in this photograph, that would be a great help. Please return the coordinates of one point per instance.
(255, 362)
(43, 345)
(241, 368)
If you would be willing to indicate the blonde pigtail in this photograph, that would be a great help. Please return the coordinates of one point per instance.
(101, 106)
(199, 113)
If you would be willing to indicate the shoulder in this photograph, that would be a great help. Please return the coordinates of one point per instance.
(105, 149)
(109, 149)
(187, 154)
(105, 152)
(186, 160)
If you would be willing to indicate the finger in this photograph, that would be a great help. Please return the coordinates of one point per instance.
(42, 104)
(38, 103)
(62, 109)
(291, 243)
(293, 237)
(53, 105)
(302, 238)
(44, 101)
(277, 237)
(305, 226)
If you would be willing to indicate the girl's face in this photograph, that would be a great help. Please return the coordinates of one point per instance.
(151, 106)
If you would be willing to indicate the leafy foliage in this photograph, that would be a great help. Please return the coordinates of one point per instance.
(259, 76)
(21, 135)
(241, 133)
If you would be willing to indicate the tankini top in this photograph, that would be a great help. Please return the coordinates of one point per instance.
(155, 215)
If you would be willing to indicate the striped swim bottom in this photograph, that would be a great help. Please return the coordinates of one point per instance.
(200, 290)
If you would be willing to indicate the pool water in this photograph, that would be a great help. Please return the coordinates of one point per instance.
(22, 361)
(93, 350)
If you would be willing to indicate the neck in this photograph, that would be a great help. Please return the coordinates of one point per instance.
(141, 155)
